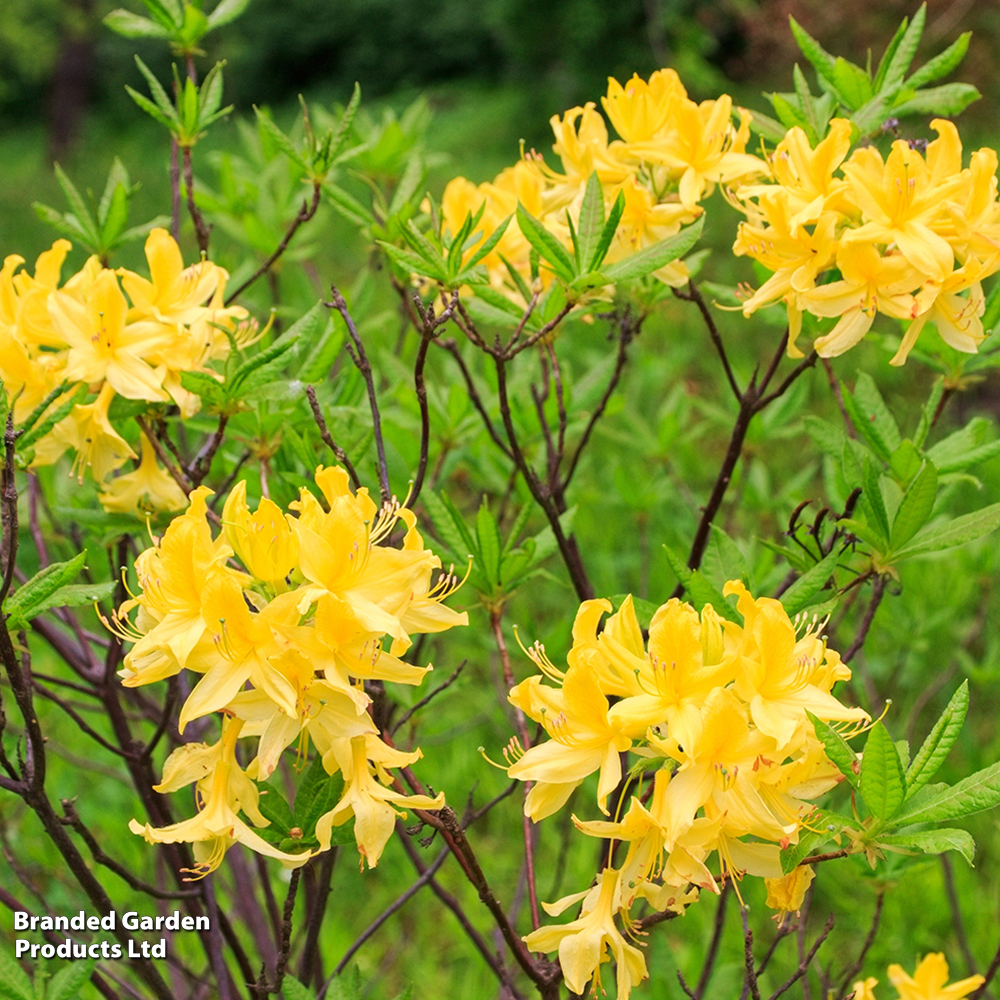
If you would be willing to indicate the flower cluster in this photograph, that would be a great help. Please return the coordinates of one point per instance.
(284, 646)
(912, 236)
(671, 153)
(84, 337)
(927, 982)
(718, 711)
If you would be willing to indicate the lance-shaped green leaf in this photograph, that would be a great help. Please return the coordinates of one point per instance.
(843, 758)
(889, 54)
(226, 12)
(488, 537)
(14, 982)
(698, 588)
(942, 64)
(933, 842)
(949, 99)
(545, 244)
(449, 525)
(822, 61)
(906, 49)
(607, 234)
(488, 244)
(129, 25)
(30, 598)
(801, 593)
(267, 126)
(882, 783)
(916, 507)
(66, 983)
(591, 224)
(939, 742)
(652, 258)
(971, 795)
(163, 110)
(956, 531)
(854, 88)
(823, 827)
(42, 427)
(873, 505)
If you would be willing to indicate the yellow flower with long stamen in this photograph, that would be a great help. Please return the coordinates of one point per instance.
(929, 979)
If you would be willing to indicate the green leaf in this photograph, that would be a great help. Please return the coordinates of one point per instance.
(31, 598)
(906, 49)
(66, 983)
(81, 209)
(163, 102)
(852, 83)
(991, 314)
(284, 343)
(825, 825)
(822, 61)
(273, 807)
(40, 429)
(116, 219)
(934, 842)
(129, 25)
(929, 410)
(887, 56)
(801, 593)
(607, 234)
(873, 504)
(449, 525)
(882, 783)
(151, 109)
(956, 531)
(950, 99)
(225, 12)
(698, 588)
(414, 263)
(791, 116)
(941, 65)
(767, 127)
(905, 462)
(876, 414)
(653, 257)
(939, 742)
(489, 543)
(294, 990)
(915, 510)
(545, 244)
(14, 982)
(843, 758)
(591, 223)
(971, 795)
(348, 206)
(488, 244)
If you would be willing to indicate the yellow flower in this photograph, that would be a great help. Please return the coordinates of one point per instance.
(865, 989)
(902, 197)
(583, 944)
(263, 541)
(928, 981)
(224, 791)
(146, 490)
(373, 806)
(786, 893)
(640, 110)
(102, 346)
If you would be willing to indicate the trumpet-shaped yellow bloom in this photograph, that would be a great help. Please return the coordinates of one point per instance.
(929, 979)
(584, 944)
(145, 490)
(263, 541)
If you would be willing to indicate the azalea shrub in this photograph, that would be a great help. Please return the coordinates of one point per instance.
(687, 577)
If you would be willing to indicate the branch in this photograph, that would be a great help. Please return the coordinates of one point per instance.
(806, 961)
(201, 229)
(8, 506)
(694, 295)
(878, 589)
(452, 348)
(869, 941)
(202, 463)
(514, 349)
(713, 947)
(362, 364)
(324, 433)
(310, 953)
(430, 696)
(305, 213)
(750, 981)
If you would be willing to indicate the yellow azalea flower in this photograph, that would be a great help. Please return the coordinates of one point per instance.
(35, 325)
(263, 541)
(89, 431)
(871, 283)
(958, 317)
(246, 646)
(175, 294)
(584, 739)
(146, 490)
(373, 806)
(639, 111)
(172, 576)
(786, 893)
(775, 672)
(224, 791)
(865, 989)
(582, 147)
(902, 196)
(928, 981)
(583, 944)
(102, 346)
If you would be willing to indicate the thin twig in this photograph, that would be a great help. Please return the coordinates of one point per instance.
(470, 387)
(324, 433)
(750, 975)
(694, 295)
(362, 364)
(429, 697)
(956, 913)
(806, 961)
(202, 463)
(304, 214)
(713, 948)
(878, 589)
(201, 229)
(849, 975)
